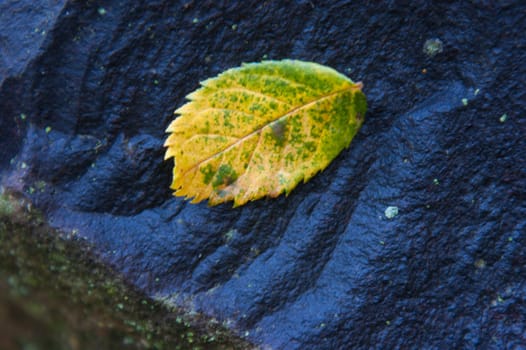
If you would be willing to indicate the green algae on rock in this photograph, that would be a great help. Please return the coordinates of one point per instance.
(54, 294)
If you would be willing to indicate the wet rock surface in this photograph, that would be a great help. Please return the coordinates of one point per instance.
(82, 116)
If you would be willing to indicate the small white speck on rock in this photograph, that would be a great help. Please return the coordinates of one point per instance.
(391, 212)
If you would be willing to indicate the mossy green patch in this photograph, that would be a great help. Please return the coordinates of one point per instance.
(208, 173)
(6, 207)
(225, 176)
(55, 294)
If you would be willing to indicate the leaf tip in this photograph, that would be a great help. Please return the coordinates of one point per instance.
(359, 85)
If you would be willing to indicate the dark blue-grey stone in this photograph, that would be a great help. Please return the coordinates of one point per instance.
(87, 90)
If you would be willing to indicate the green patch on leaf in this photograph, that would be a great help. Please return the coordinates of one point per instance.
(225, 176)
(208, 173)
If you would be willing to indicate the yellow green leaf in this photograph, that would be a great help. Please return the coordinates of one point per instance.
(260, 129)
